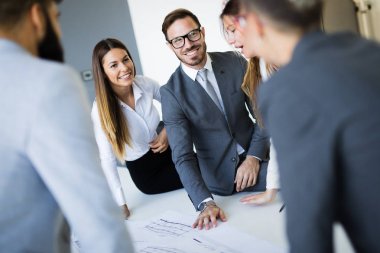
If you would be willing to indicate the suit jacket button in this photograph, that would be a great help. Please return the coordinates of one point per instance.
(233, 159)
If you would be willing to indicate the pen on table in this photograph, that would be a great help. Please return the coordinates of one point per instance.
(197, 240)
(282, 208)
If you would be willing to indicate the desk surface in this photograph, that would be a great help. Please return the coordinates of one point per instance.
(263, 222)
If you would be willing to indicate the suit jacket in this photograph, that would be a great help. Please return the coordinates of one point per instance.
(192, 118)
(322, 111)
(49, 164)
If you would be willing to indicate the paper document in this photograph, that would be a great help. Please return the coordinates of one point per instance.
(171, 232)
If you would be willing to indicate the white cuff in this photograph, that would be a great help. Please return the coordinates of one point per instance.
(205, 200)
(118, 195)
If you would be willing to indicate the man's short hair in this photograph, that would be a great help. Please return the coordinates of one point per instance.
(175, 15)
(12, 11)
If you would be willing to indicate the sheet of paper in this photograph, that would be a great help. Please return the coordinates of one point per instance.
(171, 232)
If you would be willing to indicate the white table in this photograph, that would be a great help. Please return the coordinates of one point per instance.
(264, 222)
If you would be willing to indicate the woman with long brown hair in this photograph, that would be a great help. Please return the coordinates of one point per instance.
(127, 124)
(257, 71)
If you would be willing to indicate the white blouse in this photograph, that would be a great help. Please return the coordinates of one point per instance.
(273, 178)
(142, 123)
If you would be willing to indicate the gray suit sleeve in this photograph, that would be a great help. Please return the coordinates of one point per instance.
(181, 143)
(62, 148)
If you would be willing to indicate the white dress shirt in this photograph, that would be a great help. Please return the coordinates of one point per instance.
(273, 181)
(142, 123)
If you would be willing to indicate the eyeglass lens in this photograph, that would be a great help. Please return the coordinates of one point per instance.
(193, 35)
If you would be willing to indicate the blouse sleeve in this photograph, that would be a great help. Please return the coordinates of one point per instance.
(273, 178)
(108, 159)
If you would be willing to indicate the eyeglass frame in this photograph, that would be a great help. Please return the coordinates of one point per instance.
(199, 29)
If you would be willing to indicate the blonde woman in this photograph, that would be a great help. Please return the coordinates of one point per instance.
(257, 71)
(127, 124)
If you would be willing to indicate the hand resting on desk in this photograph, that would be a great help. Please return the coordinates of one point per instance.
(208, 217)
(261, 198)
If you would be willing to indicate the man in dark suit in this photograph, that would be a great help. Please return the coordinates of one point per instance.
(203, 106)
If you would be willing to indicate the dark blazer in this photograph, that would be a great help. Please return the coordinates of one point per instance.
(323, 113)
(192, 119)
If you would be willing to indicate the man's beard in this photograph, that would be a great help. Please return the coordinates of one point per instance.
(50, 47)
(196, 61)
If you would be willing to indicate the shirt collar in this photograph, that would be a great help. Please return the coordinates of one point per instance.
(10, 45)
(137, 93)
(192, 73)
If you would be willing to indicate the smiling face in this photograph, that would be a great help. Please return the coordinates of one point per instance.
(119, 68)
(193, 53)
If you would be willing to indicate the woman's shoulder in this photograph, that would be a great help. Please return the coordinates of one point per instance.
(144, 80)
(145, 83)
(94, 110)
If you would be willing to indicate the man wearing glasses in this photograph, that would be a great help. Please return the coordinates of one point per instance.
(203, 106)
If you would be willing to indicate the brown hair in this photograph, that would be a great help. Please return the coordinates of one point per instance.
(13, 11)
(174, 16)
(302, 15)
(112, 119)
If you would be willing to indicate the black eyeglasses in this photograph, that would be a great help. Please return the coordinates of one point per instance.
(179, 41)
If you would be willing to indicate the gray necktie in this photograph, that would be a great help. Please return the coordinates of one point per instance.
(202, 78)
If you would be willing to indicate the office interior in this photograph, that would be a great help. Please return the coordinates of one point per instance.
(138, 24)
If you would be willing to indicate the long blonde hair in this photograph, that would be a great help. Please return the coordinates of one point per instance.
(251, 81)
(112, 119)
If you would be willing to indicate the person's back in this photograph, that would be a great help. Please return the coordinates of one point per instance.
(49, 167)
(25, 201)
(42, 113)
(338, 87)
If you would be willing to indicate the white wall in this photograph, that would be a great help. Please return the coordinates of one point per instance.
(375, 18)
(86, 22)
(157, 60)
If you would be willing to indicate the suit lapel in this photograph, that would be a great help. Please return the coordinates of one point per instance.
(224, 83)
(194, 90)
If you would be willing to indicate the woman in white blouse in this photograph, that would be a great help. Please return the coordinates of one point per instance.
(257, 72)
(126, 124)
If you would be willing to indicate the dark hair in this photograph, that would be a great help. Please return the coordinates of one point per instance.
(175, 15)
(12, 11)
(293, 14)
(232, 7)
(112, 119)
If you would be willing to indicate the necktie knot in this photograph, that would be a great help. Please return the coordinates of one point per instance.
(202, 75)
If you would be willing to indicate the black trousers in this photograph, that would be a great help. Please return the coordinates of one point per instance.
(154, 173)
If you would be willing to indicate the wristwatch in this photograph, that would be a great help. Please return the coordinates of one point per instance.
(204, 205)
